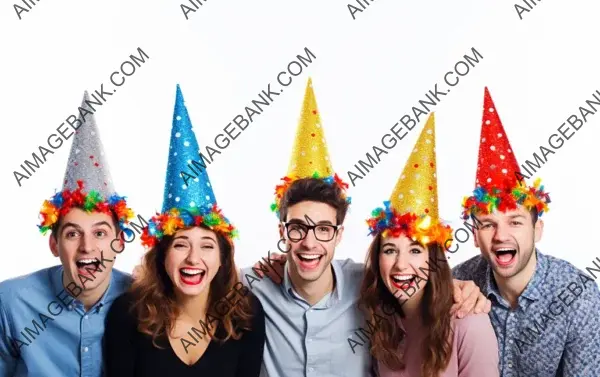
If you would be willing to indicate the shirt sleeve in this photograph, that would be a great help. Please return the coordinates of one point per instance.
(253, 343)
(477, 347)
(119, 345)
(8, 354)
(581, 356)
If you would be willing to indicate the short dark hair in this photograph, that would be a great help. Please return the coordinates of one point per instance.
(55, 228)
(316, 190)
(534, 215)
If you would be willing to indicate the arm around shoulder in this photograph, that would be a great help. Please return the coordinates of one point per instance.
(477, 347)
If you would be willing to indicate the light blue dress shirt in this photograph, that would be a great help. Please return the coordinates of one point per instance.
(312, 341)
(46, 332)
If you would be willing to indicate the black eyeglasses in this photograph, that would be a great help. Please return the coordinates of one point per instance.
(298, 231)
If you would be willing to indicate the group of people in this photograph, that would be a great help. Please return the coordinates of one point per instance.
(189, 311)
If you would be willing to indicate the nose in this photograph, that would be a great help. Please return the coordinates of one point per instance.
(402, 261)
(194, 255)
(86, 243)
(310, 241)
(501, 234)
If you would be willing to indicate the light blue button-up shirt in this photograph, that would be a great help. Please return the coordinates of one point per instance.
(311, 341)
(46, 332)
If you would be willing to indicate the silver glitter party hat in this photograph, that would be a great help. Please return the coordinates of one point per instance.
(86, 161)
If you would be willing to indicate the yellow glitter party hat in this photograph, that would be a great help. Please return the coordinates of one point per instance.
(310, 156)
(412, 209)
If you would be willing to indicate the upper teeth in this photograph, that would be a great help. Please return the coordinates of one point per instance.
(403, 277)
(191, 272)
(505, 249)
(86, 260)
(310, 256)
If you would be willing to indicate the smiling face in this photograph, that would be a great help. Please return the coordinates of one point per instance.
(192, 260)
(82, 241)
(310, 257)
(399, 261)
(507, 241)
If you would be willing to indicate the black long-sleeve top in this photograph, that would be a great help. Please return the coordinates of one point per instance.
(129, 353)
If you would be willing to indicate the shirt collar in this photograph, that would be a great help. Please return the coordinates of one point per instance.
(57, 285)
(334, 296)
(532, 290)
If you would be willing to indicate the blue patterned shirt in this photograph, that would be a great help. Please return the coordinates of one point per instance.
(555, 328)
(46, 332)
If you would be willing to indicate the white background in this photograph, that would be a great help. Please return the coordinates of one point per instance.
(367, 74)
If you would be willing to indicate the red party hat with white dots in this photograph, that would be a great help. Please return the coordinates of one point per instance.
(499, 183)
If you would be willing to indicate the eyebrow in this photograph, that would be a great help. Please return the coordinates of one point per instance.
(65, 225)
(299, 221)
(515, 216)
(388, 244)
(187, 238)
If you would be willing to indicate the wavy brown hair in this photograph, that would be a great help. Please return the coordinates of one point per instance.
(154, 303)
(376, 299)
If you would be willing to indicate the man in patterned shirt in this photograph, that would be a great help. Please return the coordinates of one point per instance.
(546, 312)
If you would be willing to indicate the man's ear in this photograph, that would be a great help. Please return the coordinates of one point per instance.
(475, 239)
(281, 231)
(538, 230)
(53, 245)
(338, 236)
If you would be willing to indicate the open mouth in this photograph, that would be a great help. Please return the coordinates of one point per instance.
(505, 256)
(403, 281)
(191, 276)
(86, 266)
(309, 261)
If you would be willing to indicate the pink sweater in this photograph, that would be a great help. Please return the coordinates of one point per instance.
(474, 349)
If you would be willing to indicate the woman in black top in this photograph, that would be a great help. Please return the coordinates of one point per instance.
(187, 314)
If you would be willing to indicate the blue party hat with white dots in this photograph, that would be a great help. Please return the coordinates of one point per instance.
(189, 199)
(182, 188)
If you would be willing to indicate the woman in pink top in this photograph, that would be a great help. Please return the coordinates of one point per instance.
(406, 293)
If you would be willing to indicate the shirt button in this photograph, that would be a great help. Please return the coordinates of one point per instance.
(510, 341)
(510, 365)
(70, 307)
(310, 339)
(310, 369)
(85, 317)
(85, 349)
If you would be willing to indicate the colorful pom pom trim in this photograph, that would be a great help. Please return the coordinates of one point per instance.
(62, 202)
(484, 202)
(390, 223)
(166, 224)
(288, 180)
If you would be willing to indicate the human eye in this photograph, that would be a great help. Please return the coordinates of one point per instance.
(101, 233)
(416, 250)
(389, 251)
(71, 233)
(516, 223)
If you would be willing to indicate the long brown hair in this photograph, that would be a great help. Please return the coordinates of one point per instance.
(154, 300)
(376, 299)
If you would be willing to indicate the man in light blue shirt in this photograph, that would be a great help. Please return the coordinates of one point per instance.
(52, 321)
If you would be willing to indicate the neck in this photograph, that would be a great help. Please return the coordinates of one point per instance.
(512, 288)
(313, 291)
(411, 307)
(193, 307)
(88, 297)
